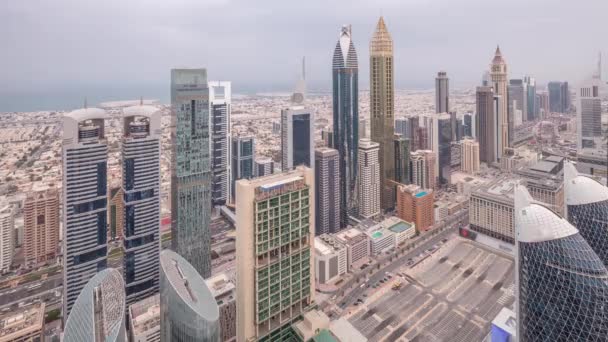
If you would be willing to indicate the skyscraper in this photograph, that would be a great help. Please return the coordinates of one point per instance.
(402, 159)
(531, 103)
(141, 188)
(439, 128)
(7, 239)
(382, 108)
(243, 157)
(589, 115)
(470, 156)
(562, 284)
(191, 168)
(327, 189)
(559, 97)
(188, 310)
(422, 168)
(275, 268)
(401, 126)
(85, 200)
(498, 73)
(517, 103)
(98, 315)
(41, 225)
(345, 76)
(219, 128)
(264, 167)
(442, 93)
(297, 137)
(468, 125)
(587, 209)
(486, 125)
(369, 179)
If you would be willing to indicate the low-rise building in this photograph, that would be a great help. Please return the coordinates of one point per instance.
(23, 325)
(389, 233)
(144, 320)
(330, 258)
(491, 210)
(357, 246)
(224, 292)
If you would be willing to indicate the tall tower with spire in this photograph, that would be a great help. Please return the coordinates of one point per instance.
(498, 75)
(382, 108)
(345, 76)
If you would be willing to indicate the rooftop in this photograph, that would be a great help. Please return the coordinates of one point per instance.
(21, 321)
(400, 227)
(145, 314)
(327, 244)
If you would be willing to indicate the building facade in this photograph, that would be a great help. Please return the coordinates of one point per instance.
(188, 310)
(486, 125)
(275, 267)
(357, 247)
(531, 103)
(264, 167)
(422, 168)
(491, 210)
(85, 197)
(368, 193)
(243, 156)
(327, 189)
(41, 225)
(382, 106)
(470, 156)
(345, 95)
(442, 93)
(516, 95)
(220, 109)
(144, 320)
(330, 259)
(402, 159)
(297, 138)
(23, 324)
(498, 74)
(589, 116)
(116, 211)
(191, 168)
(439, 128)
(415, 204)
(224, 292)
(7, 238)
(559, 97)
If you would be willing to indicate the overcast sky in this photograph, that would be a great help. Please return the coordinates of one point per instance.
(255, 43)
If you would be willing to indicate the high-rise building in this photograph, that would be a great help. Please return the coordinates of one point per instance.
(243, 156)
(85, 197)
(362, 128)
(141, 188)
(516, 95)
(327, 135)
(144, 320)
(191, 168)
(264, 167)
(23, 324)
(559, 97)
(439, 128)
(297, 137)
(224, 292)
(543, 104)
(219, 129)
(422, 168)
(561, 283)
(531, 103)
(382, 106)
(98, 313)
(275, 267)
(442, 93)
(468, 124)
(41, 225)
(486, 125)
(188, 310)
(345, 76)
(116, 210)
(415, 204)
(589, 115)
(327, 189)
(470, 156)
(401, 126)
(369, 179)
(587, 209)
(402, 159)
(7, 239)
(498, 73)
(593, 162)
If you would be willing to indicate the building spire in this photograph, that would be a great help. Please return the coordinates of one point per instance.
(382, 43)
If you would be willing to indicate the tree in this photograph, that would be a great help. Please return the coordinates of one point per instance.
(52, 315)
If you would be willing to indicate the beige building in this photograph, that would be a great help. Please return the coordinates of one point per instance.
(330, 258)
(7, 235)
(498, 74)
(144, 320)
(357, 247)
(491, 210)
(41, 227)
(469, 155)
(275, 267)
(369, 179)
(224, 292)
(25, 324)
(424, 163)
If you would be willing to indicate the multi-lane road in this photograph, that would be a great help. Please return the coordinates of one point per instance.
(31, 290)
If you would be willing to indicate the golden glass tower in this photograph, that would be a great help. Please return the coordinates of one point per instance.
(382, 108)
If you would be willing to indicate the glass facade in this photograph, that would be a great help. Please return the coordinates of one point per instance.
(301, 140)
(592, 222)
(402, 160)
(444, 150)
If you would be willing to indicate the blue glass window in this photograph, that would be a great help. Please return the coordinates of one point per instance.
(130, 220)
(129, 173)
(102, 178)
(102, 228)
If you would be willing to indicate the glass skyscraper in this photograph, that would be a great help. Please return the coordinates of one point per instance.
(297, 138)
(243, 157)
(220, 109)
(562, 283)
(402, 159)
(345, 76)
(190, 168)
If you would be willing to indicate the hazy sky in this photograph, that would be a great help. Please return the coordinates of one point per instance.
(52, 44)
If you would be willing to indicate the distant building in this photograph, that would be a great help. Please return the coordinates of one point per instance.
(24, 324)
(491, 210)
(327, 189)
(401, 126)
(442, 93)
(423, 168)
(593, 162)
(144, 320)
(224, 292)
(99, 312)
(330, 258)
(470, 156)
(220, 111)
(327, 135)
(188, 311)
(415, 205)
(486, 125)
(531, 104)
(369, 179)
(559, 97)
(468, 125)
(243, 156)
(7, 239)
(297, 138)
(357, 247)
(589, 116)
(41, 225)
(264, 167)
(402, 160)
(455, 156)
(362, 129)
(116, 210)
(498, 74)
(517, 92)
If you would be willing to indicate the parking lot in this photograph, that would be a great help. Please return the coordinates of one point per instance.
(451, 292)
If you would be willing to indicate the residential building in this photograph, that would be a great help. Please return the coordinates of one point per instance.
(422, 168)
(188, 310)
(498, 74)
(589, 116)
(368, 193)
(144, 320)
(85, 157)
(382, 106)
(357, 247)
(345, 95)
(220, 109)
(264, 167)
(297, 137)
(556, 268)
(380, 239)
(7, 238)
(442, 93)
(330, 259)
(491, 210)
(23, 324)
(486, 125)
(224, 292)
(243, 156)
(98, 314)
(415, 205)
(402, 159)
(275, 229)
(191, 168)
(327, 189)
(41, 225)
(439, 128)
(470, 156)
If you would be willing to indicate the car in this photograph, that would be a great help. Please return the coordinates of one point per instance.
(382, 281)
(365, 295)
(356, 303)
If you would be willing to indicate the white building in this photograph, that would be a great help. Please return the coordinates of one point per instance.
(469, 156)
(144, 320)
(589, 115)
(7, 240)
(220, 110)
(330, 258)
(369, 179)
(357, 246)
(389, 233)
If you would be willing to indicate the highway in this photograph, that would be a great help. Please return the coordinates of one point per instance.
(21, 293)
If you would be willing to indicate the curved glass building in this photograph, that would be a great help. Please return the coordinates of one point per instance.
(587, 209)
(562, 283)
(98, 315)
(188, 310)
